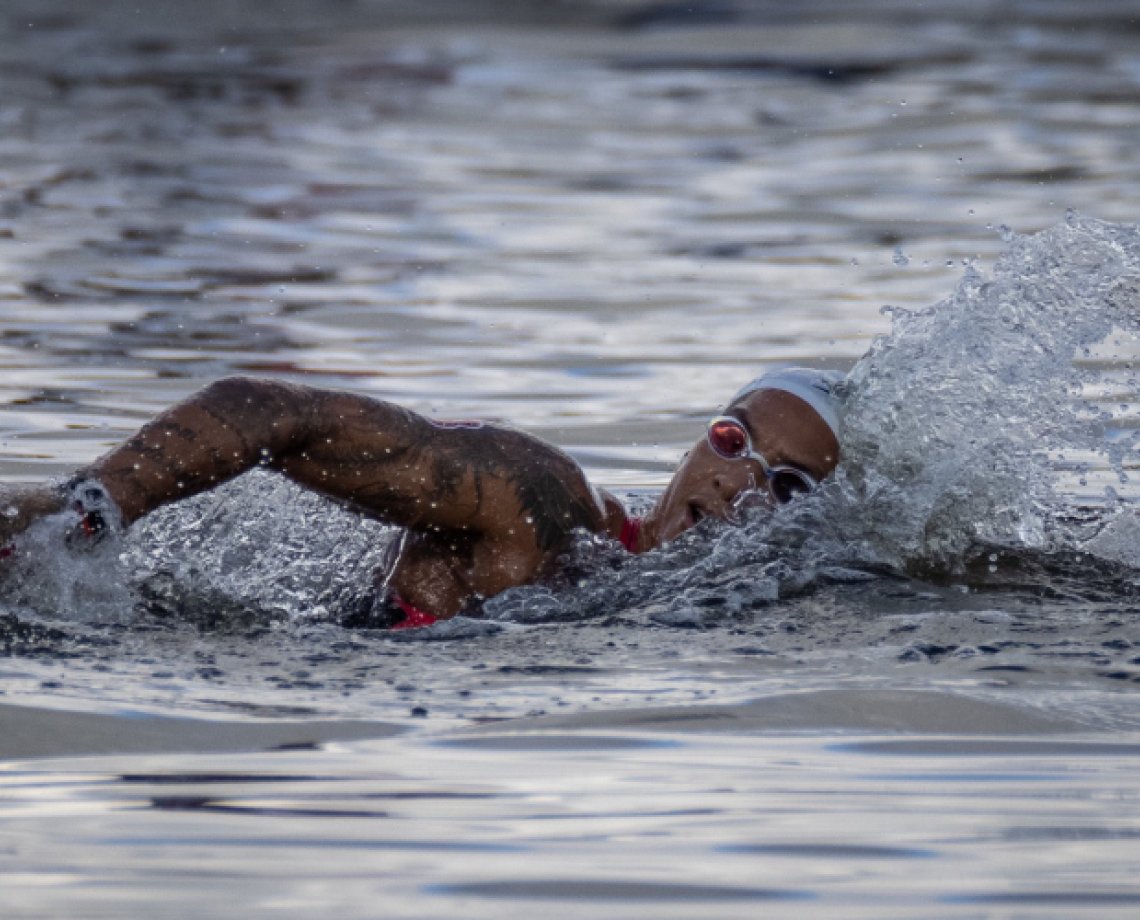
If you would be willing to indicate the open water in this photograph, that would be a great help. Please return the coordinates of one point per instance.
(912, 695)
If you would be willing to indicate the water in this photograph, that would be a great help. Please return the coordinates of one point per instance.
(628, 826)
(913, 695)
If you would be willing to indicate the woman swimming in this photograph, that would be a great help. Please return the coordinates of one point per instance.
(484, 507)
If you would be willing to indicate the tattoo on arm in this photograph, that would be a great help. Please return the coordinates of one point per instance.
(370, 455)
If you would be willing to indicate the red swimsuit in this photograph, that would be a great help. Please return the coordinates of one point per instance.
(630, 531)
(413, 616)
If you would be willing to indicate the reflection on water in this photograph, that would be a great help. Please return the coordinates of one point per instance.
(878, 828)
(596, 222)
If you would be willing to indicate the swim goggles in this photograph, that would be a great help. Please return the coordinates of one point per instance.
(728, 438)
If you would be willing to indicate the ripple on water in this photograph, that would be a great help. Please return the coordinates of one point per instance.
(575, 890)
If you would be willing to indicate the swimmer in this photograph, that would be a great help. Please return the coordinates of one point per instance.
(483, 507)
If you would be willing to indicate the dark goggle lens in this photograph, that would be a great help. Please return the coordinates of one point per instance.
(728, 438)
(786, 485)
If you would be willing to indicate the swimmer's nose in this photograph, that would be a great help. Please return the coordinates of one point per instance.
(729, 484)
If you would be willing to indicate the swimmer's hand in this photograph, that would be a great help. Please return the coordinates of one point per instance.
(22, 506)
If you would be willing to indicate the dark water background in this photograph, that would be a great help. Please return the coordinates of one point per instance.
(595, 221)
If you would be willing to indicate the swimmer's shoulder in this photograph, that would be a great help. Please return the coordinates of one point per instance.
(503, 466)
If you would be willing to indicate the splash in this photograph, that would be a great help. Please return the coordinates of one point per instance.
(258, 548)
(956, 420)
(256, 551)
(963, 431)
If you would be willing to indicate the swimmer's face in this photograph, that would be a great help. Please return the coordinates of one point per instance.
(784, 429)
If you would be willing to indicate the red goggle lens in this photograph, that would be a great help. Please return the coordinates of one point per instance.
(728, 438)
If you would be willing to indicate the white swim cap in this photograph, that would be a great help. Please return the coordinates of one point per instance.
(819, 389)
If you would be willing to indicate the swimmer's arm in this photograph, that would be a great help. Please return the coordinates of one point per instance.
(370, 455)
(489, 507)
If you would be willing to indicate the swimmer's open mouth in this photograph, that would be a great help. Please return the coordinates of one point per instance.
(696, 514)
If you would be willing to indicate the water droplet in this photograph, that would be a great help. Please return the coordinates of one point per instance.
(900, 258)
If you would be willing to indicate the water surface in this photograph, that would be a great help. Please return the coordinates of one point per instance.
(595, 224)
